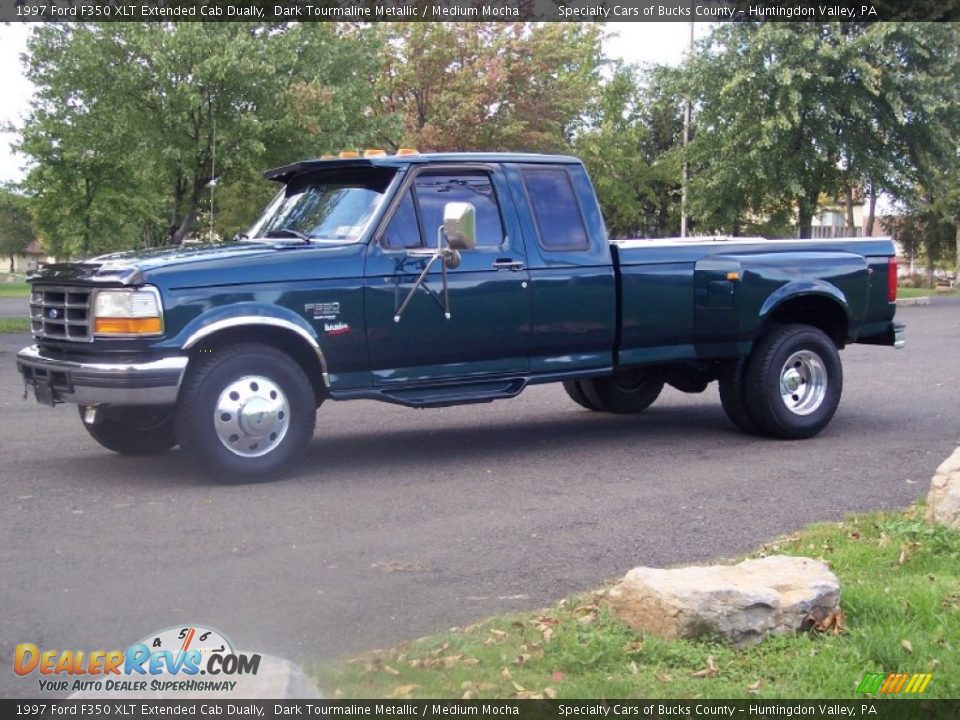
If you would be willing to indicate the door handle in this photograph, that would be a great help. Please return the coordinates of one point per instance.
(507, 264)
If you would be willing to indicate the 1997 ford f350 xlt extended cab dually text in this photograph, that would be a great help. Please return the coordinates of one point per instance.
(434, 280)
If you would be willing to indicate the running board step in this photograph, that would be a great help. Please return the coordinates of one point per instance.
(434, 396)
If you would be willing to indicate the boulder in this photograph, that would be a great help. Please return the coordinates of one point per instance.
(741, 603)
(943, 502)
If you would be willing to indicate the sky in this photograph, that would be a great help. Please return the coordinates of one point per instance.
(645, 43)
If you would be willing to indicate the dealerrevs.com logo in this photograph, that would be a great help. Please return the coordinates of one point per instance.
(171, 660)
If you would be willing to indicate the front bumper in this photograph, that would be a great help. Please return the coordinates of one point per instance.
(148, 382)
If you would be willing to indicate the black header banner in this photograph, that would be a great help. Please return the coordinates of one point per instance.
(478, 10)
(866, 709)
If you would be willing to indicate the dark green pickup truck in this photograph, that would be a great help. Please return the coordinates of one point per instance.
(434, 280)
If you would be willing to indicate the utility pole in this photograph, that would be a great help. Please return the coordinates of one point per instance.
(686, 141)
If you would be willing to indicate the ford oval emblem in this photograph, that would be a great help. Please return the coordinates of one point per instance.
(52, 313)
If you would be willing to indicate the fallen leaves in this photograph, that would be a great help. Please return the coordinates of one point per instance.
(404, 692)
(754, 688)
(709, 671)
(832, 623)
(907, 645)
(664, 677)
(545, 624)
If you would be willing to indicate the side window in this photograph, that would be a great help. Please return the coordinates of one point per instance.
(555, 209)
(435, 191)
(403, 230)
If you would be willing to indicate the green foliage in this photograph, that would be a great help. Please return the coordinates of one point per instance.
(16, 224)
(131, 121)
(787, 111)
(486, 86)
(629, 145)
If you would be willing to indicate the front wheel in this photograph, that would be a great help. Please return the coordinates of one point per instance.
(793, 382)
(133, 430)
(245, 412)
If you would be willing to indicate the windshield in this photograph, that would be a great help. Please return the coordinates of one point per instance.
(333, 205)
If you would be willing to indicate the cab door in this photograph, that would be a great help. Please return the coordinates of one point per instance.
(488, 331)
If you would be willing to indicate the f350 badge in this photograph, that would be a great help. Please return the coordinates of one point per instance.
(323, 310)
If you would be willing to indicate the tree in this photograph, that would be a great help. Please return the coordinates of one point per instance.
(117, 150)
(788, 111)
(16, 224)
(486, 86)
(629, 146)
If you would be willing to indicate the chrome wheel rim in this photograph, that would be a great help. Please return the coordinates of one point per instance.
(803, 382)
(252, 416)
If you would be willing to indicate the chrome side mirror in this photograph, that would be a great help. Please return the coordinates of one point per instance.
(460, 225)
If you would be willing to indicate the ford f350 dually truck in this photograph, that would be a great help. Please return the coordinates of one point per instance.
(439, 279)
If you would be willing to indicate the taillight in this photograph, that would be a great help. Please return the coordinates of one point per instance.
(892, 280)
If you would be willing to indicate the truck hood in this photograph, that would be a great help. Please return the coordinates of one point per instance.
(132, 267)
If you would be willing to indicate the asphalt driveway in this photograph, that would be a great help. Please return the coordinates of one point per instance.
(405, 522)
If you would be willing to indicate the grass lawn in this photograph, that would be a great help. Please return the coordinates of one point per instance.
(900, 592)
(14, 325)
(928, 292)
(14, 290)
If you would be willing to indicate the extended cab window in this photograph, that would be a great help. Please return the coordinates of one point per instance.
(431, 193)
(555, 209)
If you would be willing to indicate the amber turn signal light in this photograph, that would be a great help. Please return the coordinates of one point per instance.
(127, 326)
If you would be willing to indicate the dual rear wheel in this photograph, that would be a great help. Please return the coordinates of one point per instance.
(789, 387)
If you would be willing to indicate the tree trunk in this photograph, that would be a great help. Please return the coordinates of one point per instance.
(804, 219)
(871, 213)
(186, 224)
(849, 201)
(11, 257)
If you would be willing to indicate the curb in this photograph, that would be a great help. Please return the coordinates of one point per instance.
(905, 302)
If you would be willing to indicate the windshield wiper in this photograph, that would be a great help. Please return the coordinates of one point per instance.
(287, 232)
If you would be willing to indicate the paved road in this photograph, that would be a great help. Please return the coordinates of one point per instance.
(403, 522)
(14, 307)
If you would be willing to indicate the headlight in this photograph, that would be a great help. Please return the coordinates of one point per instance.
(127, 313)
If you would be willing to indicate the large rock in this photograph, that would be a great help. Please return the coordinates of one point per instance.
(943, 502)
(742, 603)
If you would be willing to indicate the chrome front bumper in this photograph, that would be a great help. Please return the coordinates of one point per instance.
(151, 382)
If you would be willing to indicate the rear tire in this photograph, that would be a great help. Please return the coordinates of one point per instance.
(575, 391)
(793, 382)
(245, 412)
(630, 391)
(133, 430)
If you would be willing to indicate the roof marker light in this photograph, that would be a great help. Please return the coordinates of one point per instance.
(407, 151)
(346, 154)
(374, 152)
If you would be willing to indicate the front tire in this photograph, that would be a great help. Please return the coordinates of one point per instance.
(133, 430)
(793, 382)
(245, 412)
(629, 391)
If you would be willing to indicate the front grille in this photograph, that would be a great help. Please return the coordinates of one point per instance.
(61, 313)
